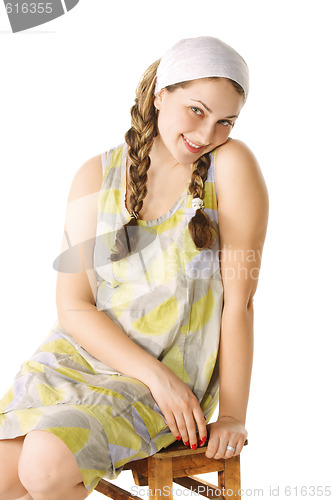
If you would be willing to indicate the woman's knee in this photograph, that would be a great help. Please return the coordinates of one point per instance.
(46, 463)
(10, 485)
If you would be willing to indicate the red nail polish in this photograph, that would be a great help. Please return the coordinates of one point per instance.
(205, 417)
(186, 443)
(178, 438)
(194, 446)
(202, 441)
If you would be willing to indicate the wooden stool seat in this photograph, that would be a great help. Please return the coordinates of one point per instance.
(178, 464)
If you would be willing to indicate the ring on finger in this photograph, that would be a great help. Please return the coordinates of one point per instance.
(231, 448)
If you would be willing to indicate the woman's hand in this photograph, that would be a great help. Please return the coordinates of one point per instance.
(226, 431)
(180, 408)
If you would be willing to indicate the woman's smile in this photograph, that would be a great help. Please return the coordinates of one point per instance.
(191, 146)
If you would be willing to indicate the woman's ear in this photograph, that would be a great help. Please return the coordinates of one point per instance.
(158, 99)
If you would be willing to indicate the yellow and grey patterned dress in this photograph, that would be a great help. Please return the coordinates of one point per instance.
(167, 296)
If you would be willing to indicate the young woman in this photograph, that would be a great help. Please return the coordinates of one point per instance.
(159, 266)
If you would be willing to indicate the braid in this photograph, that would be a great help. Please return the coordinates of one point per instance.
(200, 226)
(139, 139)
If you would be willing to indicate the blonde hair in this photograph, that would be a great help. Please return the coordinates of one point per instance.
(139, 139)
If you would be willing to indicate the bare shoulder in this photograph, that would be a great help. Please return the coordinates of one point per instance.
(87, 179)
(235, 159)
(238, 172)
(243, 201)
(82, 202)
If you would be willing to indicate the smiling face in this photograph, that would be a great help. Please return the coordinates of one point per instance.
(196, 119)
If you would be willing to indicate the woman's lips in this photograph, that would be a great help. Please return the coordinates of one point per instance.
(190, 148)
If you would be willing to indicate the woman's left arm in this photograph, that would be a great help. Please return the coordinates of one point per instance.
(243, 207)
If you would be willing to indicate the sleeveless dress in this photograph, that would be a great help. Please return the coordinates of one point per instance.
(167, 296)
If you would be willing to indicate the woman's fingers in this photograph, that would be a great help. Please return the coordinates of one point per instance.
(191, 430)
(188, 423)
(183, 426)
(212, 448)
(217, 448)
(220, 450)
(201, 424)
(183, 431)
(230, 453)
(172, 424)
(177, 425)
(238, 447)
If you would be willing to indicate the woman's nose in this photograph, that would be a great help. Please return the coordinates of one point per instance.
(205, 133)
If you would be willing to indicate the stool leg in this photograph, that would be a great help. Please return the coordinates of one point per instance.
(160, 478)
(229, 479)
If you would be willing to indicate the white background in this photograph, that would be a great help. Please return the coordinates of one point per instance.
(66, 91)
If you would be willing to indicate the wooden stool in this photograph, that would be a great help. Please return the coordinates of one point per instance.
(177, 463)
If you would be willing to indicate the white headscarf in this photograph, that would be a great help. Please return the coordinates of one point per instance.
(201, 57)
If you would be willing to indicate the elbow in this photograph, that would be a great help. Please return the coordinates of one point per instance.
(65, 312)
(239, 303)
(249, 304)
(70, 309)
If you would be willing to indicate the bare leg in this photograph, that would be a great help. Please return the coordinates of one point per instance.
(10, 450)
(48, 470)
(10, 486)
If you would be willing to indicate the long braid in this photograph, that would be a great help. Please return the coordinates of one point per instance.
(139, 139)
(200, 226)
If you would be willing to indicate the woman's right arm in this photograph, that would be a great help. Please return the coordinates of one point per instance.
(94, 330)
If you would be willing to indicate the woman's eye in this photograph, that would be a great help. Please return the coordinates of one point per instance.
(227, 122)
(197, 111)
